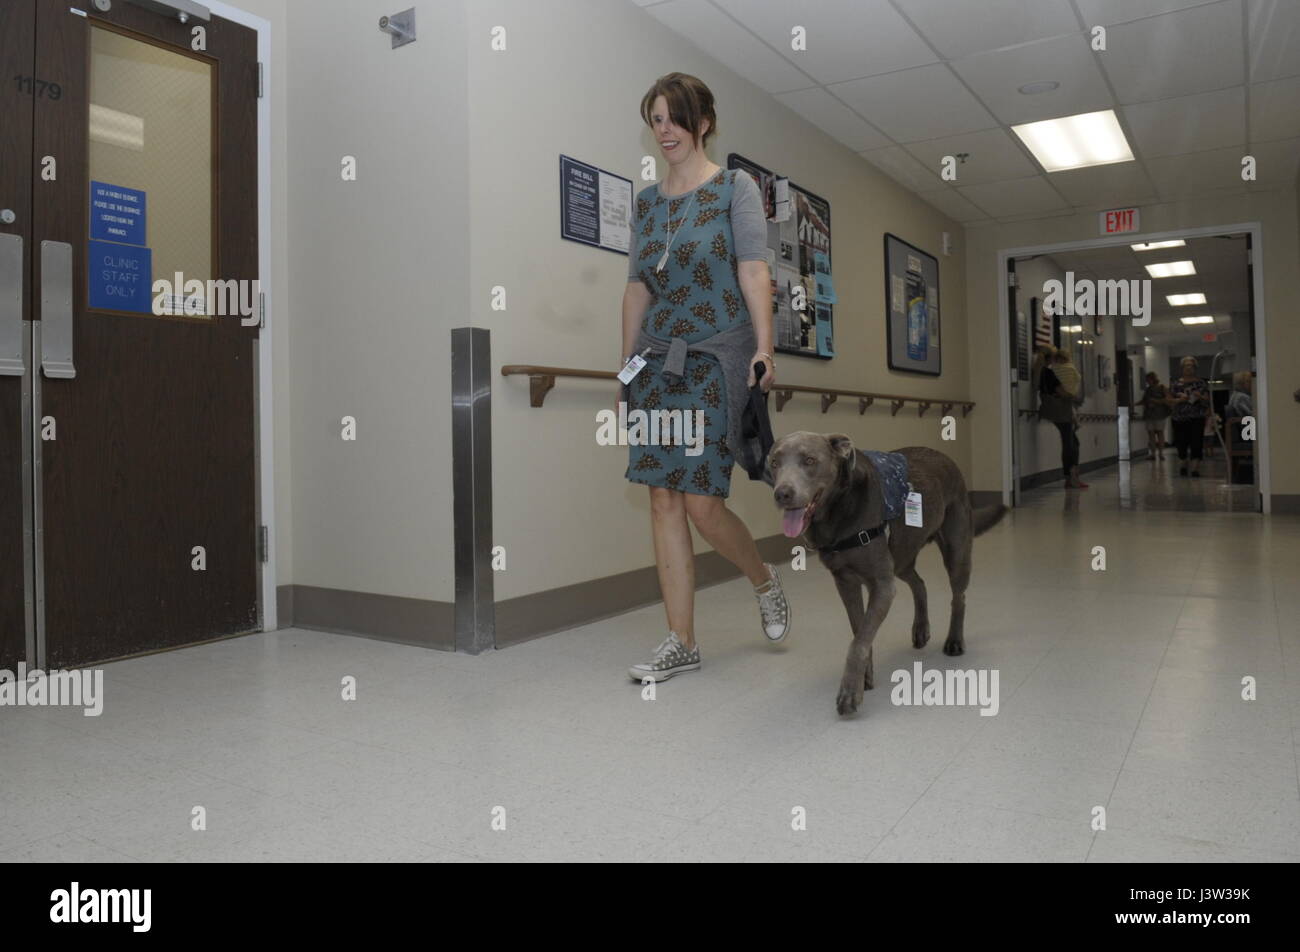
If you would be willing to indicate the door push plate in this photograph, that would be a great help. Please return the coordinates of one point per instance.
(56, 309)
(11, 305)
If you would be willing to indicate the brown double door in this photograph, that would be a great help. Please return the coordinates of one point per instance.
(128, 155)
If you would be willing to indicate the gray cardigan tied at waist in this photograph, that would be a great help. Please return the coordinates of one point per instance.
(733, 349)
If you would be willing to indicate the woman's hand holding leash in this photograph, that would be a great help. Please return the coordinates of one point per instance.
(769, 373)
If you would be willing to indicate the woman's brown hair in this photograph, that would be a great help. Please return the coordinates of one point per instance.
(689, 102)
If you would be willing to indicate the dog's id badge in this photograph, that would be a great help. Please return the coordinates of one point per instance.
(631, 368)
(912, 513)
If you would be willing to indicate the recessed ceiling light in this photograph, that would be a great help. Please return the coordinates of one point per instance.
(1177, 300)
(1205, 319)
(1171, 269)
(1076, 142)
(1147, 339)
(1033, 89)
(1153, 245)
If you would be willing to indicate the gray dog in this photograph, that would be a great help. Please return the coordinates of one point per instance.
(847, 504)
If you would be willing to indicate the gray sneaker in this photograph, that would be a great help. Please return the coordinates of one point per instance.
(671, 657)
(774, 609)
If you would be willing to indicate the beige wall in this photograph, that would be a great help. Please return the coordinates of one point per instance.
(570, 82)
(369, 278)
(1275, 211)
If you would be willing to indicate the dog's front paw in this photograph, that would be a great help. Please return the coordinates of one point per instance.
(954, 646)
(850, 697)
(920, 634)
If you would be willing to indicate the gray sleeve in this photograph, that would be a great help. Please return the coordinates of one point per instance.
(748, 223)
(631, 247)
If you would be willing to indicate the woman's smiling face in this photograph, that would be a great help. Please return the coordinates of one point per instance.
(675, 142)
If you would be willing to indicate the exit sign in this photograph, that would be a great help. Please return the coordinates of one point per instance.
(1209, 338)
(1119, 221)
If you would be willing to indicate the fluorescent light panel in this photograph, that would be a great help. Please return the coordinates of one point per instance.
(1076, 142)
(1204, 319)
(1171, 269)
(116, 128)
(1153, 245)
(1178, 300)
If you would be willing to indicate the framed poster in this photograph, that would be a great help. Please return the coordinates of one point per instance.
(595, 206)
(911, 308)
(1043, 325)
(799, 258)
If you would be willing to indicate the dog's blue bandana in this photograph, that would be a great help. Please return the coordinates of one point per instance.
(892, 470)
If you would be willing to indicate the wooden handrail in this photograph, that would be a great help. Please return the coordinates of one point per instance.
(542, 379)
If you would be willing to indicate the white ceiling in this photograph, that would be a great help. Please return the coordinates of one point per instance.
(1220, 275)
(1196, 85)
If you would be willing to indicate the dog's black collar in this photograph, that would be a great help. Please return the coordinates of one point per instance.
(856, 540)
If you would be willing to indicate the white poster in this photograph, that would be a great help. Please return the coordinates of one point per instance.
(615, 212)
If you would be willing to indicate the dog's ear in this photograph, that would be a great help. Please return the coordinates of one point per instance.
(842, 447)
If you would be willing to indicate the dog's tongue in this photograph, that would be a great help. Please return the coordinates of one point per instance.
(793, 523)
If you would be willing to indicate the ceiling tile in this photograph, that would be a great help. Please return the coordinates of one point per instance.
(1027, 196)
(1107, 12)
(997, 77)
(1177, 54)
(834, 118)
(1276, 163)
(1188, 123)
(960, 30)
(1182, 176)
(1109, 186)
(904, 169)
(914, 104)
(1275, 110)
(721, 37)
(992, 157)
(954, 205)
(845, 40)
(1274, 32)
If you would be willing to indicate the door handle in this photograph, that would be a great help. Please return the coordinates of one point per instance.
(56, 309)
(11, 306)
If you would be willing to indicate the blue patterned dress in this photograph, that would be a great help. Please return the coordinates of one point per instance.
(696, 295)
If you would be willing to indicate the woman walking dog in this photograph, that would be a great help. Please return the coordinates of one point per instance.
(698, 311)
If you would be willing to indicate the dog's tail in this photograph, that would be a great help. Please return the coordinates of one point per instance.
(986, 517)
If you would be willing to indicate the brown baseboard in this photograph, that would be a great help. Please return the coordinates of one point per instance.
(544, 613)
(407, 621)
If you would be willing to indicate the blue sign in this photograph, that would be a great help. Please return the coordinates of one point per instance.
(117, 213)
(121, 277)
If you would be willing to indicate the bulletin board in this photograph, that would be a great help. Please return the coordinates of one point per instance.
(799, 259)
(912, 308)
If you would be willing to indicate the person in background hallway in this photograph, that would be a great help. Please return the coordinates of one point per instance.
(1155, 411)
(1042, 359)
(1190, 395)
(1240, 403)
(1056, 405)
(697, 271)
